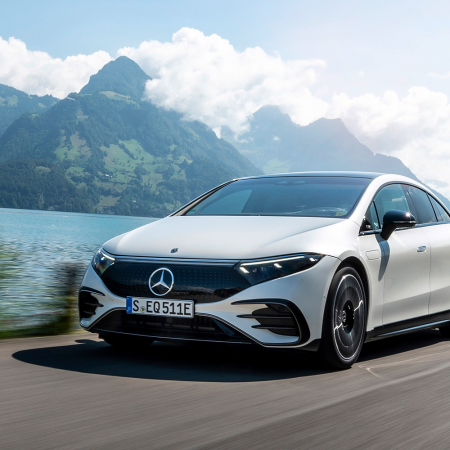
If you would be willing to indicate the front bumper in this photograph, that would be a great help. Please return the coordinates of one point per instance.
(303, 293)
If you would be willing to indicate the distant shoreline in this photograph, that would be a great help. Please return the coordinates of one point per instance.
(37, 211)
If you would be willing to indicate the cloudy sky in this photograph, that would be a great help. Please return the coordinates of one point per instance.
(382, 67)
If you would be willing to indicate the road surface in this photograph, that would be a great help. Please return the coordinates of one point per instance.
(77, 392)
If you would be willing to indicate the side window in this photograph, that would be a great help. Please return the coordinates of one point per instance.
(422, 205)
(374, 217)
(371, 221)
(390, 197)
(441, 213)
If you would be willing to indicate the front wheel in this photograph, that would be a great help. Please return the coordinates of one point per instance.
(344, 322)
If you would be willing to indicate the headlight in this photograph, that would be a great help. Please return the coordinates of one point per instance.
(101, 262)
(268, 269)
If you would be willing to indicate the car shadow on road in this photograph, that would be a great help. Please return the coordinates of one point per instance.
(181, 362)
(205, 363)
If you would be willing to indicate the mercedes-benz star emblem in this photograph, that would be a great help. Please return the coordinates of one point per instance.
(161, 282)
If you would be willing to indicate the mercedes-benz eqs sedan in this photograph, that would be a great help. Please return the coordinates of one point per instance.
(312, 261)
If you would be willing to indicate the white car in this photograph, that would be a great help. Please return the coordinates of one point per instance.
(313, 261)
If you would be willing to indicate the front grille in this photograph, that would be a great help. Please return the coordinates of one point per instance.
(276, 318)
(198, 328)
(204, 284)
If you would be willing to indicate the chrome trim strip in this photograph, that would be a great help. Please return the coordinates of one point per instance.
(187, 261)
(405, 330)
(191, 262)
(205, 262)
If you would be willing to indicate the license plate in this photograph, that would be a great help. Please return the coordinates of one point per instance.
(153, 307)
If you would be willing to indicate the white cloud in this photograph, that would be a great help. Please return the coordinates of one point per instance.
(414, 128)
(205, 78)
(36, 72)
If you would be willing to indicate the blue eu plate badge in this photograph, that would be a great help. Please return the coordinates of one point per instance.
(129, 305)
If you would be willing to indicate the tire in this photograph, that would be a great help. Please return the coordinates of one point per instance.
(127, 342)
(344, 322)
(445, 331)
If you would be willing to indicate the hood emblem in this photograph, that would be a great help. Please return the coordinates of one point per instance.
(174, 250)
(161, 282)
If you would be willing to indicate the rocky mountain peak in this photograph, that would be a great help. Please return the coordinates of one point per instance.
(122, 76)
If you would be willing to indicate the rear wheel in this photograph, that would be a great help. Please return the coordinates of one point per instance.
(127, 342)
(344, 322)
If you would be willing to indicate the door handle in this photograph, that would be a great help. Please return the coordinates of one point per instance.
(422, 249)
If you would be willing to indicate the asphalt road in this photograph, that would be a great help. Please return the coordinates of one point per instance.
(77, 392)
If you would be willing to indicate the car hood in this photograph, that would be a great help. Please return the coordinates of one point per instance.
(233, 237)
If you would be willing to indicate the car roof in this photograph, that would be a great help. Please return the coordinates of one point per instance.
(348, 174)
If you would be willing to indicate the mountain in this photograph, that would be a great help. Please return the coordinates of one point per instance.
(14, 103)
(275, 144)
(118, 152)
(105, 149)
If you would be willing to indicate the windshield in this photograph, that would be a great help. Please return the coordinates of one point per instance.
(284, 196)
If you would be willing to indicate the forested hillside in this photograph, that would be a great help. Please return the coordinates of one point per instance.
(106, 149)
(120, 153)
(14, 103)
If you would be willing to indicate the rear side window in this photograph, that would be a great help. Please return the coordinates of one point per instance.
(422, 205)
(441, 213)
(390, 197)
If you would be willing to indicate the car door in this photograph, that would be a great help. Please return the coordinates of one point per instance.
(370, 251)
(438, 234)
(406, 261)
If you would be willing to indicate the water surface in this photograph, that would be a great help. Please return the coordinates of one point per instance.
(35, 246)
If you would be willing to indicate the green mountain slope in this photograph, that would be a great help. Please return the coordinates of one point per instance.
(14, 103)
(276, 144)
(124, 154)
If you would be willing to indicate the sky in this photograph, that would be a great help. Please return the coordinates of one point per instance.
(380, 66)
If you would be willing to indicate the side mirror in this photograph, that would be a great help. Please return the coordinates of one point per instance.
(394, 219)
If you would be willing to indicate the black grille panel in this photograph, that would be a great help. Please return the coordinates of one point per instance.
(198, 328)
(276, 318)
(87, 304)
(203, 284)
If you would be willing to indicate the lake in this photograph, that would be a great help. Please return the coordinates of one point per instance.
(35, 246)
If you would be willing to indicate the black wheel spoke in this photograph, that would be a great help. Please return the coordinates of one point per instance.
(348, 316)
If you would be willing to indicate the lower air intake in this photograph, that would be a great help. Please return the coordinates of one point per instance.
(199, 328)
(275, 318)
(87, 304)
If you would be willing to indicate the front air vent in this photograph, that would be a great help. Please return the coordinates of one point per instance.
(275, 318)
(87, 304)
